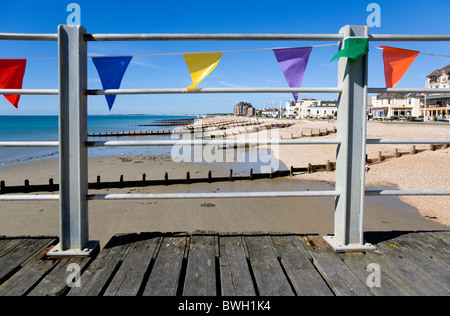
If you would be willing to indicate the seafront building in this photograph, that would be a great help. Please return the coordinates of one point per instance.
(273, 113)
(437, 106)
(395, 104)
(244, 109)
(311, 108)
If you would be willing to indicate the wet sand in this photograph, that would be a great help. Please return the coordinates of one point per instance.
(107, 218)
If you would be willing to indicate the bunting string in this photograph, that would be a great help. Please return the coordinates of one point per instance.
(292, 60)
(182, 53)
(222, 51)
(427, 54)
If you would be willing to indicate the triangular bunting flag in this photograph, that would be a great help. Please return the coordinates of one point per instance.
(111, 71)
(354, 49)
(396, 62)
(293, 62)
(11, 77)
(200, 65)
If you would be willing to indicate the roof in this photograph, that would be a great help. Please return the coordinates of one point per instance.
(439, 71)
(381, 96)
(439, 96)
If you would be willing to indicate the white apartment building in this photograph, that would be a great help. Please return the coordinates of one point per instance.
(396, 104)
(310, 108)
(439, 78)
(291, 109)
(438, 106)
(324, 109)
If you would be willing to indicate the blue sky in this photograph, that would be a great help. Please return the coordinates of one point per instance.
(238, 69)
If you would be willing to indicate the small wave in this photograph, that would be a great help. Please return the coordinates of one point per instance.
(28, 159)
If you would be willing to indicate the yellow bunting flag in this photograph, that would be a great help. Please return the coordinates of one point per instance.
(200, 65)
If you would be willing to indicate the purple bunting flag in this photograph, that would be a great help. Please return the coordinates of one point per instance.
(293, 62)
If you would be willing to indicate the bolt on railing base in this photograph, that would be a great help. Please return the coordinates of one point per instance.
(90, 250)
(339, 247)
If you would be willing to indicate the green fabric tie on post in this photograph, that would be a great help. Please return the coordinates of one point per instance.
(355, 48)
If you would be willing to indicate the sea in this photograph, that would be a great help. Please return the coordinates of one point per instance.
(45, 128)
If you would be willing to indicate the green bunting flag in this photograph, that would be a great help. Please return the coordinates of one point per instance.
(354, 49)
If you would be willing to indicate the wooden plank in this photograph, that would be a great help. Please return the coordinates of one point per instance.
(95, 279)
(201, 266)
(165, 274)
(409, 275)
(296, 261)
(443, 235)
(235, 276)
(409, 278)
(269, 276)
(55, 282)
(23, 253)
(7, 244)
(434, 269)
(26, 278)
(338, 276)
(359, 263)
(434, 245)
(129, 277)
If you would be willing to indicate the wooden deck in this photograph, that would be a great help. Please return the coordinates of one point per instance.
(241, 264)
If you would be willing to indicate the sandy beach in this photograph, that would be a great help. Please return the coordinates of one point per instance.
(424, 170)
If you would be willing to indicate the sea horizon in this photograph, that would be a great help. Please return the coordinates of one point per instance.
(45, 128)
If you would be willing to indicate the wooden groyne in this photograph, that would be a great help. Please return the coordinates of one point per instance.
(208, 129)
(171, 122)
(131, 133)
(145, 182)
(27, 187)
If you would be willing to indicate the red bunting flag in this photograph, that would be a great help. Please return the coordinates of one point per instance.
(11, 77)
(396, 62)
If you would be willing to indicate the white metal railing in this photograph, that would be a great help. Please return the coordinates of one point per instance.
(351, 138)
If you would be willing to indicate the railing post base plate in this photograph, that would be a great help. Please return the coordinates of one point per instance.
(90, 250)
(339, 247)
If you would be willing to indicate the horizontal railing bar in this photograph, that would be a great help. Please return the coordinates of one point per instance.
(28, 37)
(374, 141)
(226, 36)
(409, 90)
(30, 144)
(230, 142)
(213, 90)
(272, 194)
(409, 37)
(29, 91)
(406, 192)
(261, 37)
(30, 197)
(211, 195)
(214, 37)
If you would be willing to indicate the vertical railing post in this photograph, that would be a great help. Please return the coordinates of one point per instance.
(74, 228)
(350, 160)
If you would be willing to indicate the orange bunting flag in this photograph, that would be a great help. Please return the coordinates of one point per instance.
(11, 77)
(396, 62)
